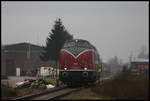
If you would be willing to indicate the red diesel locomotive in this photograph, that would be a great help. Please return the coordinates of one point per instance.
(79, 63)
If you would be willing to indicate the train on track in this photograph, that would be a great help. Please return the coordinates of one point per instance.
(79, 63)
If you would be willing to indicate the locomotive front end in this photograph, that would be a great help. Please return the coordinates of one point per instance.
(76, 63)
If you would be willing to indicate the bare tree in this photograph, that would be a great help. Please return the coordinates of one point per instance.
(114, 64)
(143, 52)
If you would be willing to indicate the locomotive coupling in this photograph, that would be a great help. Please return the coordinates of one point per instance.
(85, 74)
(64, 74)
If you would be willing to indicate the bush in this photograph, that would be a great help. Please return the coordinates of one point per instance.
(125, 86)
(50, 81)
(42, 86)
(34, 85)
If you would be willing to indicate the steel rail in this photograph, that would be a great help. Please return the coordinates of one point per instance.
(40, 94)
(56, 94)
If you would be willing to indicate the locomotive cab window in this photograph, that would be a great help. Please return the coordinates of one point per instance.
(83, 44)
(69, 44)
(76, 46)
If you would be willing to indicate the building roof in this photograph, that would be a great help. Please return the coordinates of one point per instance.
(16, 44)
(141, 60)
(23, 51)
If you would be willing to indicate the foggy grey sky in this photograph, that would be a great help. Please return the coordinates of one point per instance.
(115, 28)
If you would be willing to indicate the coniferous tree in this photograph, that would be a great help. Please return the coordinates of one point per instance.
(55, 41)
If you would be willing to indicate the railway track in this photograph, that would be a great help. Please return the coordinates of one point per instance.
(54, 93)
(49, 95)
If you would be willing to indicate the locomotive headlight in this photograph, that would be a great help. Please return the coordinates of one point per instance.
(76, 41)
(65, 68)
(85, 68)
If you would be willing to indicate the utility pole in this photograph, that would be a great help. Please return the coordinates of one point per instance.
(130, 59)
(57, 83)
(29, 51)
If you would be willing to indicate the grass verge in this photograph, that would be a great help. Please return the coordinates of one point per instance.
(125, 86)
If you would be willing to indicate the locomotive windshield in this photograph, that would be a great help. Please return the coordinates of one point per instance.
(76, 47)
(83, 44)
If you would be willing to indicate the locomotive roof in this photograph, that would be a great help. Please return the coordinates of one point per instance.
(78, 40)
(93, 47)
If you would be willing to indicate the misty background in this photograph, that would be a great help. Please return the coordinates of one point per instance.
(114, 28)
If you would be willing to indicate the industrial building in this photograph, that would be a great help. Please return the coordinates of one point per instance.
(22, 55)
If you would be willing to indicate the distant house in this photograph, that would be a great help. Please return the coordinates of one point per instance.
(140, 66)
(46, 71)
(24, 56)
